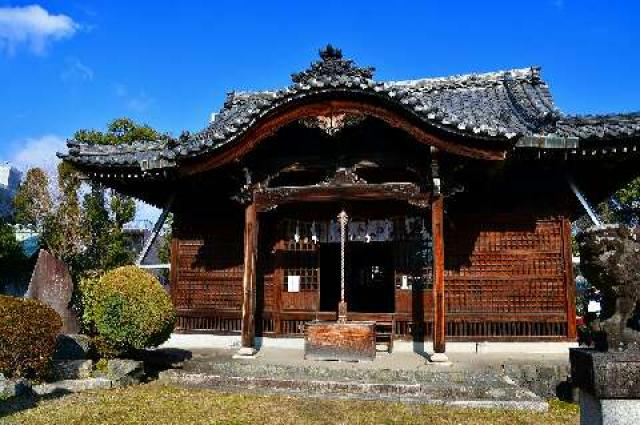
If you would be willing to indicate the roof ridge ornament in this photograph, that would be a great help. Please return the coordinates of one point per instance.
(331, 65)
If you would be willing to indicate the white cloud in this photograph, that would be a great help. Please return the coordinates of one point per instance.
(136, 103)
(76, 71)
(33, 27)
(39, 152)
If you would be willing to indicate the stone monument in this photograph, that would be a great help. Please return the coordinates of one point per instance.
(609, 375)
(51, 283)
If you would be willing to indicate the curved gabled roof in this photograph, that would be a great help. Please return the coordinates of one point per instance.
(502, 106)
(499, 105)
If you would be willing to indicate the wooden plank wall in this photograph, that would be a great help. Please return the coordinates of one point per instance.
(506, 278)
(208, 267)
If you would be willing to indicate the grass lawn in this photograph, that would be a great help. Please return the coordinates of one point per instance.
(155, 404)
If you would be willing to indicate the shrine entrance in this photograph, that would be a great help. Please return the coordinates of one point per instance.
(370, 286)
(346, 251)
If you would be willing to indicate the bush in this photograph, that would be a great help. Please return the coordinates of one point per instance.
(28, 331)
(126, 309)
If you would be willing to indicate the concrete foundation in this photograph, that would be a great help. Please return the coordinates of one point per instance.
(196, 341)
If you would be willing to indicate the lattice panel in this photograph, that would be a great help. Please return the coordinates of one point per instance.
(303, 245)
(491, 329)
(302, 262)
(504, 267)
(293, 327)
(209, 323)
(268, 293)
(539, 263)
(209, 275)
(505, 295)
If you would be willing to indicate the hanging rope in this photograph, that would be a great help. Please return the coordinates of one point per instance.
(343, 219)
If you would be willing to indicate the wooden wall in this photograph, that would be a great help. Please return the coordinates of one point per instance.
(207, 269)
(507, 277)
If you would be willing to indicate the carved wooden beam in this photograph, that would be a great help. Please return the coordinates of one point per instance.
(269, 198)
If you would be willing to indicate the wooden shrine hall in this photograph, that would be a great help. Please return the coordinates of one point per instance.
(456, 195)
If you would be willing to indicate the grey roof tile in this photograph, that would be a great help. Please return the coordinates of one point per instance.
(502, 105)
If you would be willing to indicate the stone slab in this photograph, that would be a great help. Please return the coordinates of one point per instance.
(500, 395)
(72, 369)
(73, 386)
(246, 353)
(547, 379)
(608, 411)
(51, 283)
(10, 388)
(606, 375)
(125, 372)
(440, 358)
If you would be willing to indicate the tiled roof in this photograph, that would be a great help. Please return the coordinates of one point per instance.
(157, 154)
(503, 106)
(600, 127)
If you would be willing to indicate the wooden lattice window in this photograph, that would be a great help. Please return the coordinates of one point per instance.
(301, 271)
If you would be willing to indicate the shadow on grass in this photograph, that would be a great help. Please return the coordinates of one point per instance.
(565, 391)
(27, 401)
(156, 361)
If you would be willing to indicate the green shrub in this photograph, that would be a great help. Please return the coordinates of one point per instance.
(28, 331)
(126, 309)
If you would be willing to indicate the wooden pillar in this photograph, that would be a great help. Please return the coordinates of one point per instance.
(437, 227)
(173, 271)
(569, 280)
(249, 277)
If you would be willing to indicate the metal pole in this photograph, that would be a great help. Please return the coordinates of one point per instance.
(156, 231)
(585, 204)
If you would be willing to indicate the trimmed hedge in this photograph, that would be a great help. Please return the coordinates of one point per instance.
(126, 309)
(28, 331)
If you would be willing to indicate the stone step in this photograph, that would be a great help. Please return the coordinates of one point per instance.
(488, 393)
(337, 371)
(68, 386)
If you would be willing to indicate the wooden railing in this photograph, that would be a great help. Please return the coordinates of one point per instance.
(459, 327)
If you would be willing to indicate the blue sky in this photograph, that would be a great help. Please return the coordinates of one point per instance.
(66, 65)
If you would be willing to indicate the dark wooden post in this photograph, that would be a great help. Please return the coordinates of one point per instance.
(173, 271)
(569, 280)
(437, 227)
(249, 279)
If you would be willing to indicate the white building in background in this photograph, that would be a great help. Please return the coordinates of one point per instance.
(10, 178)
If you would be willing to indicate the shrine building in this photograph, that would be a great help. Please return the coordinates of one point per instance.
(456, 194)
